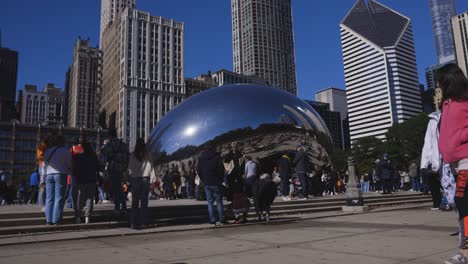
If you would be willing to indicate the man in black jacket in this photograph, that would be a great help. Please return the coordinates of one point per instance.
(210, 169)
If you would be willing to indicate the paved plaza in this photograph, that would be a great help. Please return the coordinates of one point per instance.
(403, 236)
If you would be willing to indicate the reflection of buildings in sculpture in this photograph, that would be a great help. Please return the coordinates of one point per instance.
(232, 113)
(142, 75)
(382, 86)
(438, 99)
(44, 107)
(460, 36)
(219, 78)
(18, 143)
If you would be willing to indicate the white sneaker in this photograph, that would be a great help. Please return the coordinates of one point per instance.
(87, 220)
(43, 209)
(434, 209)
(105, 201)
(457, 259)
(286, 198)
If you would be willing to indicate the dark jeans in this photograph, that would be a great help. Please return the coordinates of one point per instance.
(304, 183)
(387, 186)
(33, 194)
(284, 186)
(434, 185)
(140, 191)
(117, 192)
(215, 193)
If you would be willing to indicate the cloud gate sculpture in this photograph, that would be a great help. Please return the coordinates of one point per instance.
(265, 122)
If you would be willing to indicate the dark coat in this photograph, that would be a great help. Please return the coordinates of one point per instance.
(283, 166)
(264, 194)
(299, 161)
(210, 168)
(386, 170)
(85, 168)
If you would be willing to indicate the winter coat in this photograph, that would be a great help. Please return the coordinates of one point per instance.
(453, 140)
(386, 170)
(430, 157)
(210, 168)
(299, 161)
(85, 168)
(283, 166)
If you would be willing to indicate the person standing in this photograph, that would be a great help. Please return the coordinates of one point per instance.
(34, 180)
(191, 180)
(234, 164)
(283, 165)
(453, 144)
(116, 155)
(85, 174)
(250, 175)
(211, 171)
(57, 164)
(413, 174)
(41, 148)
(299, 162)
(386, 174)
(140, 173)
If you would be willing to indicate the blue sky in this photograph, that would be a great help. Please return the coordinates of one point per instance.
(44, 32)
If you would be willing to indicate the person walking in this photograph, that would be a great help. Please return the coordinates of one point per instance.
(140, 173)
(57, 164)
(34, 181)
(85, 173)
(116, 155)
(453, 144)
(211, 171)
(41, 148)
(299, 163)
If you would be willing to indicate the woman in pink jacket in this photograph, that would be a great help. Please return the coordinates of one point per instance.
(453, 144)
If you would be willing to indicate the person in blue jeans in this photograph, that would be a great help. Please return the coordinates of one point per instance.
(57, 164)
(140, 172)
(211, 172)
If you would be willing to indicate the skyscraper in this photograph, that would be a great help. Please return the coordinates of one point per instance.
(263, 41)
(336, 99)
(442, 11)
(379, 60)
(142, 73)
(82, 90)
(110, 10)
(8, 78)
(460, 35)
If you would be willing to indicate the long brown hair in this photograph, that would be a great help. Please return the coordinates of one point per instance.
(453, 83)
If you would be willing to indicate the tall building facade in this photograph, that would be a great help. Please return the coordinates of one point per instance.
(46, 107)
(336, 99)
(332, 119)
(83, 86)
(263, 41)
(381, 77)
(110, 9)
(460, 36)
(442, 12)
(8, 78)
(142, 73)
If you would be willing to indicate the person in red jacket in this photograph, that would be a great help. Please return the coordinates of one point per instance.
(453, 144)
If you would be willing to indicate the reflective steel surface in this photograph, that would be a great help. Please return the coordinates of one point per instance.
(265, 122)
